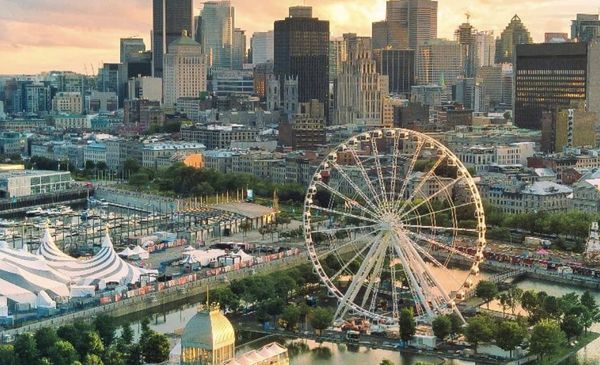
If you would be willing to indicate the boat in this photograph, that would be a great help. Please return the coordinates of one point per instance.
(7, 223)
(34, 212)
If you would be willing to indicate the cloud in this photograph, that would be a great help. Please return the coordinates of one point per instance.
(59, 34)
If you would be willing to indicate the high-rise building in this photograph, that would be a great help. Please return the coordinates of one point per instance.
(399, 66)
(338, 53)
(465, 35)
(169, 19)
(439, 62)
(485, 48)
(585, 27)
(496, 83)
(262, 47)
(135, 62)
(514, 34)
(218, 24)
(357, 45)
(239, 49)
(568, 127)
(360, 91)
(306, 129)
(145, 87)
(553, 75)
(407, 24)
(262, 73)
(109, 78)
(131, 46)
(302, 50)
(185, 70)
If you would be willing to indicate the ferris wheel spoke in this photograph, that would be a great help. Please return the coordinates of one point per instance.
(356, 240)
(379, 171)
(351, 182)
(435, 212)
(347, 200)
(445, 247)
(424, 179)
(348, 263)
(357, 281)
(438, 264)
(365, 176)
(351, 228)
(394, 167)
(374, 280)
(431, 197)
(395, 311)
(409, 172)
(413, 282)
(439, 228)
(347, 215)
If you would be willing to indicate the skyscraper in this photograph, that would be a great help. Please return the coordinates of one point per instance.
(262, 47)
(239, 49)
(550, 76)
(217, 29)
(185, 70)
(131, 46)
(302, 50)
(585, 27)
(465, 36)
(399, 66)
(169, 19)
(515, 33)
(439, 62)
(407, 24)
(485, 47)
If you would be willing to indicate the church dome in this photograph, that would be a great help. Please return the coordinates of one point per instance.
(208, 330)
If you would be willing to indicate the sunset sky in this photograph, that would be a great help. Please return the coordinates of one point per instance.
(43, 35)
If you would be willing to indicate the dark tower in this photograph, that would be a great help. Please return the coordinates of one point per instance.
(169, 18)
(302, 50)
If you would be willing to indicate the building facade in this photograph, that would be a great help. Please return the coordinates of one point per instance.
(169, 19)
(217, 31)
(514, 34)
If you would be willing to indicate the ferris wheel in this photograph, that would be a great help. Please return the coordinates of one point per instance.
(384, 215)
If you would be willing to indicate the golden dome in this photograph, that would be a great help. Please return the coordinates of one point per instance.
(208, 330)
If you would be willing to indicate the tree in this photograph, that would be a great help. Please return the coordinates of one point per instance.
(134, 355)
(101, 165)
(486, 290)
(226, 298)
(106, 328)
(7, 355)
(156, 349)
(274, 307)
(62, 352)
(92, 359)
(290, 316)
(386, 362)
(26, 349)
(45, 338)
(408, 326)
(546, 338)
(113, 357)
(320, 319)
(139, 179)
(509, 335)
(131, 166)
(572, 326)
(587, 299)
(480, 329)
(91, 343)
(126, 334)
(457, 324)
(90, 165)
(442, 327)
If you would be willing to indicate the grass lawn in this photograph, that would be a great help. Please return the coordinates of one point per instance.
(568, 351)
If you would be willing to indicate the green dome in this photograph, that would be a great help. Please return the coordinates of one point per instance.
(184, 40)
(208, 330)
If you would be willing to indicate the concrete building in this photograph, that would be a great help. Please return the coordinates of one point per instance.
(514, 34)
(72, 122)
(586, 193)
(585, 27)
(485, 48)
(407, 24)
(217, 30)
(169, 19)
(227, 82)
(302, 51)
(338, 54)
(164, 154)
(185, 71)
(143, 113)
(95, 152)
(216, 136)
(306, 130)
(290, 96)
(20, 183)
(145, 87)
(101, 102)
(239, 52)
(465, 35)
(262, 45)
(439, 61)
(360, 91)
(67, 102)
(568, 128)
(262, 73)
(119, 150)
(398, 66)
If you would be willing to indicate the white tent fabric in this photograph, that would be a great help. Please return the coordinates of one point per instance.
(30, 281)
(44, 301)
(80, 291)
(17, 294)
(208, 256)
(140, 252)
(244, 256)
(126, 252)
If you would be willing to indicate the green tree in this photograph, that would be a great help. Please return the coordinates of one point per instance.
(457, 324)
(320, 319)
(7, 355)
(487, 291)
(45, 338)
(105, 325)
(131, 166)
(91, 344)
(587, 299)
(112, 356)
(92, 359)
(442, 327)
(226, 298)
(291, 316)
(126, 334)
(139, 179)
(546, 338)
(134, 355)
(572, 326)
(90, 165)
(26, 349)
(509, 335)
(480, 329)
(101, 165)
(156, 349)
(408, 326)
(63, 352)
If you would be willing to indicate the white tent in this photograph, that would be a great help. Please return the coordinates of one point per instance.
(208, 256)
(80, 291)
(140, 252)
(126, 252)
(244, 256)
(17, 294)
(44, 301)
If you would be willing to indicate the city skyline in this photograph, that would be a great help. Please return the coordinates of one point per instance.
(79, 43)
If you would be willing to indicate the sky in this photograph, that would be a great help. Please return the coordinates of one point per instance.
(44, 35)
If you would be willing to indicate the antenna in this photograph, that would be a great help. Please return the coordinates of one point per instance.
(468, 15)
